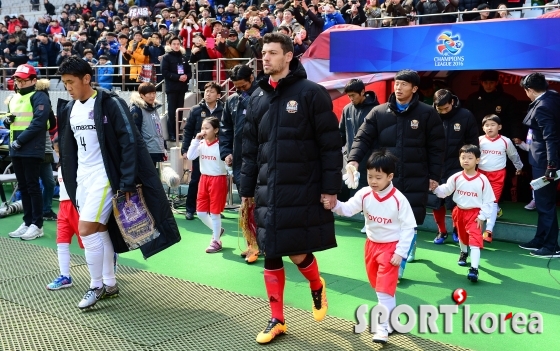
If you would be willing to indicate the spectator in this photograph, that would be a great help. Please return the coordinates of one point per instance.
(430, 7)
(400, 11)
(89, 58)
(228, 48)
(73, 24)
(504, 14)
(64, 21)
(353, 13)
(49, 8)
(482, 15)
(250, 46)
(11, 45)
(49, 51)
(175, 25)
(34, 5)
(110, 47)
(301, 43)
(452, 6)
(165, 35)
(23, 21)
(312, 21)
(332, 17)
(65, 53)
(137, 57)
(190, 26)
(82, 44)
(200, 52)
(19, 58)
(155, 51)
(12, 24)
(230, 14)
(264, 24)
(123, 74)
(55, 29)
(104, 73)
(41, 25)
(21, 36)
(469, 6)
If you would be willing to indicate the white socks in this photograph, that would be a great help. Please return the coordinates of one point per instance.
(212, 221)
(475, 256)
(108, 259)
(463, 247)
(490, 222)
(216, 226)
(64, 259)
(390, 302)
(93, 247)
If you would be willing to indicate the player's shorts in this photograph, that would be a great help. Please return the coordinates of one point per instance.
(67, 223)
(94, 198)
(382, 275)
(497, 180)
(212, 194)
(465, 222)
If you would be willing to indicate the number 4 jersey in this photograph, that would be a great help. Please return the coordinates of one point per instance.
(83, 126)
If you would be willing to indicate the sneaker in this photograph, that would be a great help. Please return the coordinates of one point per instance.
(455, 235)
(111, 291)
(531, 206)
(545, 253)
(531, 245)
(33, 232)
(273, 329)
(463, 259)
(18, 232)
(473, 275)
(440, 238)
(381, 336)
(320, 304)
(189, 216)
(50, 216)
(500, 213)
(487, 236)
(91, 297)
(215, 246)
(412, 255)
(115, 265)
(60, 283)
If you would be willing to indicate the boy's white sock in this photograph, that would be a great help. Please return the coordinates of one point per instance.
(463, 247)
(491, 221)
(93, 249)
(475, 256)
(64, 259)
(216, 226)
(205, 218)
(108, 260)
(390, 302)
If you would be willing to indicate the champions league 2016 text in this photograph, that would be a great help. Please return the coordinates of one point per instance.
(449, 60)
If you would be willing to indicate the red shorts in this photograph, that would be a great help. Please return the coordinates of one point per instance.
(212, 194)
(67, 223)
(382, 275)
(465, 222)
(497, 180)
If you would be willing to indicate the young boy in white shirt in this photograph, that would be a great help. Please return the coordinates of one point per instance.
(390, 228)
(495, 150)
(474, 198)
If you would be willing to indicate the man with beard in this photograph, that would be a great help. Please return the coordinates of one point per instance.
(292, 163)
(460, 129)
(412, 131)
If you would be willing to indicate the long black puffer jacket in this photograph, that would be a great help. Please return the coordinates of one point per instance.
(291, 155)
(415, 136)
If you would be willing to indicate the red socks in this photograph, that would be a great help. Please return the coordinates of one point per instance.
(311, 272)
(439, 218)
(274, 281)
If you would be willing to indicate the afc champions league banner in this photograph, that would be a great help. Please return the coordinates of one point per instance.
(496, 44)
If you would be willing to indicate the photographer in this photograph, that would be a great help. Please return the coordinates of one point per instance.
(312, 21)
(250, 46)
(353, 13)
(332, 16)
(109, 46)
(396, 9)
(301, 43)
(65, 53)
(426, 7)
(13, 61)
(155, 51)
(82, 44)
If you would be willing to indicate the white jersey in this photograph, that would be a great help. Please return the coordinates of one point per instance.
(83, 126)
(494, 153)
(388, 216)
(63, 195)
(470, 192)
(209, 153)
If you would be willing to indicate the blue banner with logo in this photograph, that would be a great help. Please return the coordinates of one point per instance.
(507, 44)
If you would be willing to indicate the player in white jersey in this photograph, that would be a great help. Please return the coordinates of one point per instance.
(212, 189)
(390, 225)
(474, 198)
(495, 149)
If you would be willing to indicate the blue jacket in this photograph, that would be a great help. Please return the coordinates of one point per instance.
(332, 19)
(105, 76)
(543, 118)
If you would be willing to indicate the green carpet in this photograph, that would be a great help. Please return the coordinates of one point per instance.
(510, 280)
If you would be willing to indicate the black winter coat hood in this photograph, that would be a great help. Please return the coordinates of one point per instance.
(127, 163)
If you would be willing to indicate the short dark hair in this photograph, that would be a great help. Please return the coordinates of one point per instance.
(354, 86)
(442, 97)
(137, 32)
(172, 39)
(104, 57)
(157, 35)
(215, 86)
(88, 51)
(75, 66)
(409, 76)
(146, 88)
(214, 121)
(470, 149)
(536, 81)
(241, 72)
(67, 44)
(491, 118)
(285, 42)
(383, 161)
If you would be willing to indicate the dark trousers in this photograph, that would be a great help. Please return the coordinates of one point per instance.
(47, 178)
(193, 187)
(27, 170)
(174, 101)
(547, 225)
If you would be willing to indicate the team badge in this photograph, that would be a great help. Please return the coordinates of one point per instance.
(90, 115)
(291, 107)
(203, 114)
(414, 124)
(41, 107)
(498, 109)
(457, 127)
